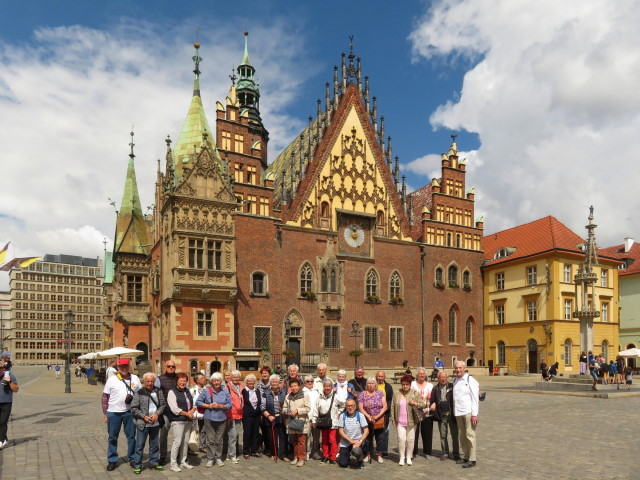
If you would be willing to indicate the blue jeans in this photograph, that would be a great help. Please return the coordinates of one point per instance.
(115, 420)
(154, 446)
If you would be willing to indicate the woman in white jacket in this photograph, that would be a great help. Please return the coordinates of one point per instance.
(329, 404)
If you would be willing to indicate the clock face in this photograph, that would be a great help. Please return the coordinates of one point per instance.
(354, 235)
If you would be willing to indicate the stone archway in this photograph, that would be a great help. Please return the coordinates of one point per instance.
(532, 357)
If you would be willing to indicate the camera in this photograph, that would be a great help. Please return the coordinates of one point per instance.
(128, 399)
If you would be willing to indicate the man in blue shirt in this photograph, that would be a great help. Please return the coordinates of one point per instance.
(353, 432)
(8, 385)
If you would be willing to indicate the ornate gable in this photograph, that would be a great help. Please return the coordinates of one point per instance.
(205, 181)
(348, 173)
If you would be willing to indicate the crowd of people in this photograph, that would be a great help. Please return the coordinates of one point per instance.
(288, 418)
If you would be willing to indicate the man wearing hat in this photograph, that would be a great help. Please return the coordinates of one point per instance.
(7, 388)
(116, 406)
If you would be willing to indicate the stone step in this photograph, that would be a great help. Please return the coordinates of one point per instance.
(587, 381)
(563, 386)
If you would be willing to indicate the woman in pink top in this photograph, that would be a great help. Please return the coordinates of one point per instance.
(403, 417)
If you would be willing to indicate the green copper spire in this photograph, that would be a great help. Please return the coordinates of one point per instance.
(191, 139)
(132, 233)
(245, 59)
(247, 89)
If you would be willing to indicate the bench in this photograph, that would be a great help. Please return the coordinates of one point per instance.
(397, 376)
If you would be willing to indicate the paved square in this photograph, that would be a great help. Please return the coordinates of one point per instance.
(520, 436)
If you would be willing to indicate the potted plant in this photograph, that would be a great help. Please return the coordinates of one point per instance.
(467, 287)
(372, 299)
(438, 284)
(396, 301)
(309, 295)
(289, 353)
(453, 285)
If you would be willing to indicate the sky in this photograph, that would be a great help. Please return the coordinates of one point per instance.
(542, 95)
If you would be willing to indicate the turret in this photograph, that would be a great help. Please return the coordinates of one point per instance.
(247, 89)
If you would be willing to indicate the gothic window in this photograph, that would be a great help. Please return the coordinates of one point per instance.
(380, 218)
(439, 275)
(469, 331)
(500, 353)
(435, 331)
(333, 281)
(453, 276)
(395, 286)
(466, 279)
(306, 279)
(258, 283)
(452, 326)
(372, 283)
(324, 281)
(324, 210)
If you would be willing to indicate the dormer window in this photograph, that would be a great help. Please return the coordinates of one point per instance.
(503, 252)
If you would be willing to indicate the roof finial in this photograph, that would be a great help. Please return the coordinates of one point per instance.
(351, 71)
(453, 137)
(131, 144)
(233, 76)
(196, 59)
(245, 58)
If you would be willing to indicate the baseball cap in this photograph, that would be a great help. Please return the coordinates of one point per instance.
(123, 361)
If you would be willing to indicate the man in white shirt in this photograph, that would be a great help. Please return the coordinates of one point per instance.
(466, 403)
(116, 406)
(111, 371)
(318, 387)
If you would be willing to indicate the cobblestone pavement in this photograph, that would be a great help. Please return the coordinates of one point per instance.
(520, 436)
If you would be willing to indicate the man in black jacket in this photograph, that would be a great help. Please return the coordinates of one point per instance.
(166, 382)
(441, 405)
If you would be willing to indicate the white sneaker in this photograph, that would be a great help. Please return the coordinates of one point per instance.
(186, 465)
(294, 463)
(401, 462)
(219, 462)
(409, 461)
(209, 464)
(380, 460)
(175, 468)
(234, 460)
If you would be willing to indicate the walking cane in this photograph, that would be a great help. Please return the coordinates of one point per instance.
(275, 444)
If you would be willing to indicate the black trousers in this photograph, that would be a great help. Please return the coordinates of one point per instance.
(276, 440)
(250, 434)
(5, 413)
(424, 428)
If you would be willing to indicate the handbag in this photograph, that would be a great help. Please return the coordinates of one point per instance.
(325, 421)
(296, 424)
(418, 414)
(379, 423)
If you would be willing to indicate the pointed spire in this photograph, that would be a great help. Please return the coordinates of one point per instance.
(396, 171)
(327, 100)
(344, 73)
(381, 133)
(247, 88)
(389, 152)
(374, 114)
(366, 95)
(196, 70)
(359, 75)
(245, 58)
(131, 228)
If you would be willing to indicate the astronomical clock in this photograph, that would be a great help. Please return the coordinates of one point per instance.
(354, 234)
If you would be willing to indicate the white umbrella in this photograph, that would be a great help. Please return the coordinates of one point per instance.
(117, 352)
(88, 356)
(631, 353)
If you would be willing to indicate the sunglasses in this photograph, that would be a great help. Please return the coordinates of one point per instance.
(171, 366)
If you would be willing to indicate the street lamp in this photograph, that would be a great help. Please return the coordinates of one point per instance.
(67, 345)
(287, 330)
(355, 333)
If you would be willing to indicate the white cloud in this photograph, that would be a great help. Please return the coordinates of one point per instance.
(68, 102)
(552, 95)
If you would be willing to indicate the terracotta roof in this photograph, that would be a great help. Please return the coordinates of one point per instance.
(631, 258)
(419, 199)
(546, 234)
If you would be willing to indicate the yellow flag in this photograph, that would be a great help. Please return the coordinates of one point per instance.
(3, 252)
(28, 261)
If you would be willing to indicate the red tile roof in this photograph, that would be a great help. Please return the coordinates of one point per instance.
(631, 258)
(539, 236)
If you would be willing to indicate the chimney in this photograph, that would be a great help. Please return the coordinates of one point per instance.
(628, 243)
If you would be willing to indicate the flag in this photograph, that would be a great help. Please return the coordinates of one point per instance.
(18, 262)
(3, 253)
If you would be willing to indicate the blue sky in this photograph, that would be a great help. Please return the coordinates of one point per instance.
(542, 97)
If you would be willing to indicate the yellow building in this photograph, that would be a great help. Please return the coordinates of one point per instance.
(530, 298)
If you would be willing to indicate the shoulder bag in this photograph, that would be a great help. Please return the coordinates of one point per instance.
(325, 421)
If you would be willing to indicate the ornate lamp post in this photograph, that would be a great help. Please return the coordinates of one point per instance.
(355, 333)
(67, 342)
(287, 331)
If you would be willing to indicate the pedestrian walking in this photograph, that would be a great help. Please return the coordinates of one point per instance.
(7, 389)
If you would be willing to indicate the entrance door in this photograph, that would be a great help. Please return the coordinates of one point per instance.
(294, 344)
(532, 346)
(214, 367)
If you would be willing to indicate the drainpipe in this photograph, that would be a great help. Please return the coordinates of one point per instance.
(422, 254)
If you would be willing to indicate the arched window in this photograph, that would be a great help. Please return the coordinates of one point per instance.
(453, 276)
(380, 218)
(469, 331)
(324, 281)
(500, 350)
(452, 326)
(372, 283)
(567, 352)
(435, 331)
(193, 365)
(395, 286)
(324, 210)
(439, 275)
(333, 281)
(466, 279)
(306, 279)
